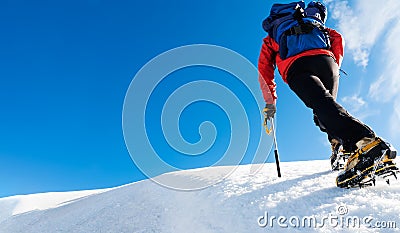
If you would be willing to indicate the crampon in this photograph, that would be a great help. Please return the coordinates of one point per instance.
(384, 169)
(339, 160)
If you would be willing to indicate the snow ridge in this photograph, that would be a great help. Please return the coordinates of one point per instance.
(244, 202)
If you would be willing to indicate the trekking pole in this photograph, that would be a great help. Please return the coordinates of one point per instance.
(278, 169)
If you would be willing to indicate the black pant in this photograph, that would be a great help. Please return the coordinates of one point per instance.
(315, 80)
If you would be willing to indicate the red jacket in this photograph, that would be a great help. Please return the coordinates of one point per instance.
(269, 59)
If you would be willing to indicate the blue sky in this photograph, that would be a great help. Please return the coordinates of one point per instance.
(65, 67)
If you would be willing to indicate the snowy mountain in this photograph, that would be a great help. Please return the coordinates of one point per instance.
(304, 199)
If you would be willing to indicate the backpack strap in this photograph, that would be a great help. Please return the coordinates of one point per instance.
(299, 13)
(307, 27)
(303, 28)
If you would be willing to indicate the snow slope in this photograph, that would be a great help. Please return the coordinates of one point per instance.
(306, 194)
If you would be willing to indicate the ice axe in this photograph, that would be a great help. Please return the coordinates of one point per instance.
(269, 131)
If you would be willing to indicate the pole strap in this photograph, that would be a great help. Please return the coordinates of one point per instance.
(268, 129)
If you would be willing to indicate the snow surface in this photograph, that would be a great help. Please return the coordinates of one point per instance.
(237, 204)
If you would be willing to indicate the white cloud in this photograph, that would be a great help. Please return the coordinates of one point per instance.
(349, 26)
(386, 88)
(354, 103)
(395, 121)
(374, 89)
(364, 25)
(358, 107)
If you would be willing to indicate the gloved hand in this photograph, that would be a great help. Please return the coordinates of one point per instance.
(269, 111)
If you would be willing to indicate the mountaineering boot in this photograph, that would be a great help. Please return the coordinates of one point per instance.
(339, 156)
(373, 157)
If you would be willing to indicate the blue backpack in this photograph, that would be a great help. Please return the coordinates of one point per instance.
(296, 28)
